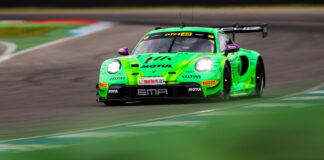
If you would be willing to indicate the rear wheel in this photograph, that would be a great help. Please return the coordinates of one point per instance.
(226, 83)
(259, 79)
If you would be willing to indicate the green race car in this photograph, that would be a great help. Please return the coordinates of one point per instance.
(183, 63)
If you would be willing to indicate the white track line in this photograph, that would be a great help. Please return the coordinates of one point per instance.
(273, 105)
(221, 113)
(9, 56)
(304, 98)
(26, 147)
(96, 134)
(168, 123)
(316, 92)
(10, 49)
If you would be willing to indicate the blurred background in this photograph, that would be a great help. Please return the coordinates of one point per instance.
(128, 3)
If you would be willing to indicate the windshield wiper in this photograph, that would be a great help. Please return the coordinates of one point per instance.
(169, 50)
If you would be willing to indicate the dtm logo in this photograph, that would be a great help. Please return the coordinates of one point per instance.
(157, 66)
(152, 92)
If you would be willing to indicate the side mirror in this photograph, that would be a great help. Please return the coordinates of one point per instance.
(230, 48)
(123, 51)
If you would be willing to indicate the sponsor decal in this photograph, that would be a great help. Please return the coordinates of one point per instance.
(162, 58)
(191, 76)
(194, 89)
(211, 36)
(191, 71)
(203, 35)
(113, 91)
(117, 78)
(157, 66)
(208, 82)
(151, 81)
(103, 85)
(185, 34)
(152, 92)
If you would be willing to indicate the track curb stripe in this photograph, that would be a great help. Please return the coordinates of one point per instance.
(103, 26)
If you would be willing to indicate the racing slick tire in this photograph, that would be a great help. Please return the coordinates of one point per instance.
(227, 82)
(259, 78)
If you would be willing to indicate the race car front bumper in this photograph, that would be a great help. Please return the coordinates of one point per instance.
(117, 92)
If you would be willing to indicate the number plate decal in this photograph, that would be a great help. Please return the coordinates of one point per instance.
(151, 81)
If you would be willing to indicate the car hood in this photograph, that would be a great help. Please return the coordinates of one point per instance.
(160, 64)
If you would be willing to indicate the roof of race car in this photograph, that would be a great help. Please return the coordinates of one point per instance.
(180, 29)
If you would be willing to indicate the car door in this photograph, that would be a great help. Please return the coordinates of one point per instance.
(233, 58)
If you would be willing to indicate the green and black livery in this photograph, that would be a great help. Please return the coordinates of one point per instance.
(184, 63)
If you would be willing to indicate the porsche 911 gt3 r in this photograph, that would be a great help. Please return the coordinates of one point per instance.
(183, 63)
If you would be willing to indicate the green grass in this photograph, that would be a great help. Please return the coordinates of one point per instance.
(27, 35)
(19, 32)
(50, 9)
(267, 134)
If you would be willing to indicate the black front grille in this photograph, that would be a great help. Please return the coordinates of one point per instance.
(154, 91)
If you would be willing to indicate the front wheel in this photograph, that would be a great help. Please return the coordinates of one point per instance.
(226, 83)
(259, 79)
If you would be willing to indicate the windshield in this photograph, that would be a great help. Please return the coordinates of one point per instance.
(176, 42)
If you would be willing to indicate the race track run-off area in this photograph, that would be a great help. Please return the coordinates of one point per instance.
(48, 90)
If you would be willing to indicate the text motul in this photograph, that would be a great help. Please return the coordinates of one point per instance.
(157, 66)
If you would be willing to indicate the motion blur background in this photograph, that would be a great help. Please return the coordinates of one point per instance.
(105, 3)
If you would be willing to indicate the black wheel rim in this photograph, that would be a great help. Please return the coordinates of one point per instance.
(226, 82)
(259, 79)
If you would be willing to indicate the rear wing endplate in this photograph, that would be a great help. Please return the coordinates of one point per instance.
(245, 29)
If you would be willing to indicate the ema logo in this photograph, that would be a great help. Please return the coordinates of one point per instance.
(152, 92)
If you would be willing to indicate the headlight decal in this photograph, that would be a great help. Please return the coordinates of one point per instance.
(114, 66)
(204, 64)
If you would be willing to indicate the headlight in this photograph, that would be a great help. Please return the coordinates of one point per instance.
(114, 66)
(204, 64)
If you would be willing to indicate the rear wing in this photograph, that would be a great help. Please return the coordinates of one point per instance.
(245, 29)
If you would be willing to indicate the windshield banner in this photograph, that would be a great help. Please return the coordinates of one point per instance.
(203, 35)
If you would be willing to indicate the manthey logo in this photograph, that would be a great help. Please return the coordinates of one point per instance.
(159, 58)
(162, 58)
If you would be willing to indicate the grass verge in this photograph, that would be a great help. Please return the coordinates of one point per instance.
(271, 133)
(27, 35)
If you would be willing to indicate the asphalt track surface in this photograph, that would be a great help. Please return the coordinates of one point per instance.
(52, 89)
(2, 48)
